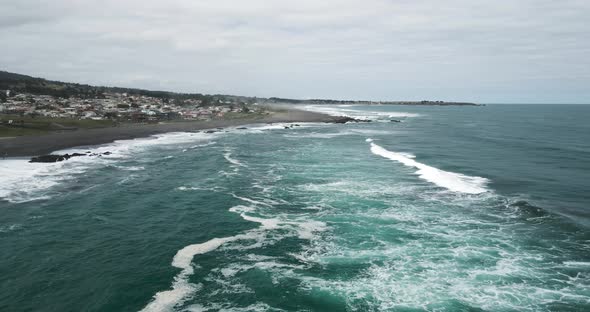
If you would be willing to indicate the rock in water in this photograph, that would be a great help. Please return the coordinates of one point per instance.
(47, 159)
(344, 119)
(51, 158)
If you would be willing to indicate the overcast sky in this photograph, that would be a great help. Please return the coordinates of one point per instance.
(510, 51)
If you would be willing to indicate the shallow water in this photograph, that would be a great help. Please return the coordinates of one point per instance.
(453, 209)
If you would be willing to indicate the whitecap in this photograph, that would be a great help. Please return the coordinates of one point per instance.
(23, 181)
(10, 228)
(252, 201)
(357, 113)
(131, 168)
(182, 289)
(576, 264)
(452, 181)
(227, 156)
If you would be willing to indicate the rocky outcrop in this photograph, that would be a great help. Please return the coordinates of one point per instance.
(51, 158)
(343, 119)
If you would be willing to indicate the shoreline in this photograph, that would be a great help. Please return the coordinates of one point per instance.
(34, 145)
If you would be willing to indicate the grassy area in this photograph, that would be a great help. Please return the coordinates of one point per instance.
(38, 125)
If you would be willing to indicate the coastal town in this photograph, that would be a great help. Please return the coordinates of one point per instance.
(120, 107)
(35, 106)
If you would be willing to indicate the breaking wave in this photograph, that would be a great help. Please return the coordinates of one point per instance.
(452, 181)
(358, 114)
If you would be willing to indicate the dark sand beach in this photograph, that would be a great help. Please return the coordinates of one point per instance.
(47, 143)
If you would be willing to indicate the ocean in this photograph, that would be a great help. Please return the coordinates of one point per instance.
(450, 209)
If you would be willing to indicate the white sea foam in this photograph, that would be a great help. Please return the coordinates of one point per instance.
(227, 156)
(128, 148)
(131, 168)
(330, 135)
(197, 188)
(262, 128)
(357, 113)
(23, 181)
(252, 201)
(10, 228)
(576, 264)
(266, 224)
(455, 182)
(308, 229)
(204, 145)
(182, 289)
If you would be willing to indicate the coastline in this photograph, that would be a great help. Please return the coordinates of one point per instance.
(26, 146)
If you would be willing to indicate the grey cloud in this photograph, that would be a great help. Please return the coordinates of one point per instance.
(374, 49)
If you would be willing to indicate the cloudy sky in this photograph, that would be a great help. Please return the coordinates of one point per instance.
(528, 51)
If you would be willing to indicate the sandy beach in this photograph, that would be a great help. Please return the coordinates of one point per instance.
(45, 144)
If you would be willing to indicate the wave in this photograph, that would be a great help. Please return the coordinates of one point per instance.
(257, 128)
(527, 210)
(23, 181)
(329, 135)
(10, 228)
(227, 156)
(452, 181)
(252, 201)
(576, 264)
(127, 148)
(358, 114)
(182, 289)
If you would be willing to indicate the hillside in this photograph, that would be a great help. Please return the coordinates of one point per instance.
(39, 86)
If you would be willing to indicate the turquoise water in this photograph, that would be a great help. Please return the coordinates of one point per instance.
(453, 209)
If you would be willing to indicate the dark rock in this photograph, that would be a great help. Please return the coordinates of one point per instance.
(46, 159)
(49, 158)
(210, 131)
(242, 128)
(395, 120)
(55, 158)
(342, 120)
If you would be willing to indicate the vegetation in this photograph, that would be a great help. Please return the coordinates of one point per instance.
(39, 86)
(14, 125)
(26, 84)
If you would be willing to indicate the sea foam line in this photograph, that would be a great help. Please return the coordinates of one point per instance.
(358, 114)
(23, 181)
(452, 181)
(182, 289)
(227, 156)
